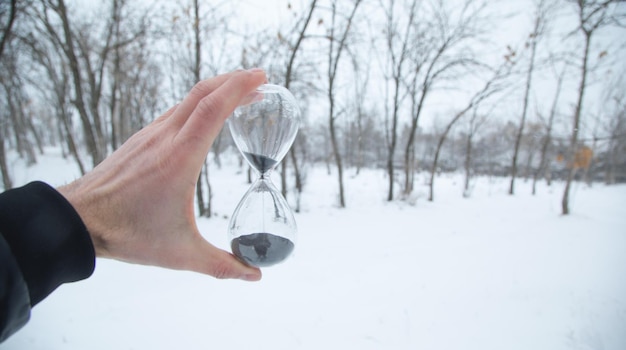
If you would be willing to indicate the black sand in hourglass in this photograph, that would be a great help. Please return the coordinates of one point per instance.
(262, 163)
(261, 249)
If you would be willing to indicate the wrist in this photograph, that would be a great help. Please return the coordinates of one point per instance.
(80, 202)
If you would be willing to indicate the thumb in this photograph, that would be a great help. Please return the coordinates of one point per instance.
(218, 263)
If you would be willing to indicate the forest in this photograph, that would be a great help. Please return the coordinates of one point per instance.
(531, 90)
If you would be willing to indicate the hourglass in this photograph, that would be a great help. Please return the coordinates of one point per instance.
(262, 229)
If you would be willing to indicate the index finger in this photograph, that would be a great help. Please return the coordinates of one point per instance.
(207, 119)
(197, 93)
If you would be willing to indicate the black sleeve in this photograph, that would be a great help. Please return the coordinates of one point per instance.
(43, 244)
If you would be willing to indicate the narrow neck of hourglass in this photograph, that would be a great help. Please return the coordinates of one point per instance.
(265, 175)
(262, 164)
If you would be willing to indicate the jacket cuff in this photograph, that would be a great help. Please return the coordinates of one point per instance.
(47, 237)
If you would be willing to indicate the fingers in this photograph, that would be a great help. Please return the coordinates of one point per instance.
(207, 118)
(197, 93)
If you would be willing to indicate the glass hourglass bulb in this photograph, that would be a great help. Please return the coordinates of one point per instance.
(262, 229)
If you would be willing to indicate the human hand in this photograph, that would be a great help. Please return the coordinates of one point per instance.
(138, 203)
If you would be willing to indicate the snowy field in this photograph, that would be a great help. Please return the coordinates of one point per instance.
(489, 272)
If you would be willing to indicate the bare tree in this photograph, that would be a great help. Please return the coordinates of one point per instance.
(445, 41)
(6, 30)
(15, 98)
(116, 77)
(544, 166)
(203, 210)
(16, 107)
(541, 15)
(4, 169)
(592, 15)
(6, 33)
(91, 59)
(612, 124)
(491, 87)
(476, 121)
(87, 61)
(193, 26)
(18, 103)
(337, 43)
(289, 72)
(55, 89)
(397, 44)
(282, 55)
(360, 89)
(616, 148)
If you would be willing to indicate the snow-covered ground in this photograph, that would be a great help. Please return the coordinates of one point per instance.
(488, 272)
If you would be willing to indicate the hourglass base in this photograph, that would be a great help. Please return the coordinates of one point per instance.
(261, 249)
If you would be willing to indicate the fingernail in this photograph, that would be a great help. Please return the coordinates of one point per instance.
(255, 70)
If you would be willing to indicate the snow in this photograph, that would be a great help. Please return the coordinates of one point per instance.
(488, 272)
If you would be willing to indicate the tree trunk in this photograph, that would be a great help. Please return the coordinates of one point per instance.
(333, 64)
(91, 140)
(409, 150)
(29, 123)
(283, 175)
(359, 146)
(433, 168)
(468, 159)
(16, 114)
(69, 137)
(200, 195)
(288, 74)
(115, 116)
(569, 160)
(298, 178)
(392, 143)
(522, 124)
(209, 209)
(4, 169)
(609, 178)
(202, 207)
(337, 155)
(397, 64)
(6, 33)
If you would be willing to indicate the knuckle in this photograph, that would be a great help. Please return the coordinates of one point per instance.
(201, 89)
(208, 106)
(222, 270)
